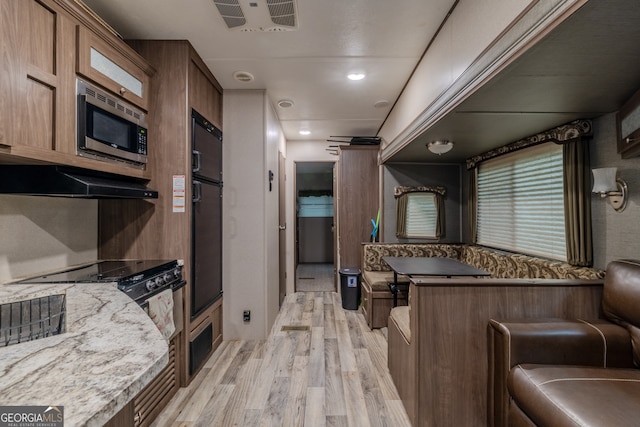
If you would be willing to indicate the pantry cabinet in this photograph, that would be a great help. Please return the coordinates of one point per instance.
(357, 201)
(44, 46)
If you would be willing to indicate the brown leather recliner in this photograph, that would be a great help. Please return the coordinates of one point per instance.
(554, 372)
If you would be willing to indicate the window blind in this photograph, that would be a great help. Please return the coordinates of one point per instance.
(422, 215)
(521, 202)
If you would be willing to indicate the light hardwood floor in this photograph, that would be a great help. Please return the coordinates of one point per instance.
(315, 278)
(332, 373)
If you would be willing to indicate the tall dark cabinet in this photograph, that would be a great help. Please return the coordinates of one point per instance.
(163, 228)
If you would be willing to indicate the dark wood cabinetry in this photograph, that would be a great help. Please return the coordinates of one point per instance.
(357, 200)
(162, 228)
(42, 46)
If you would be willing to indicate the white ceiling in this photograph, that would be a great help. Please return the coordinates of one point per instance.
(588, 66)
(309, 66)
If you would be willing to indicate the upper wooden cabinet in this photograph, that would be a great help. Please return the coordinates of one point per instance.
(44, 46)
(628, 127)
(37, 78)
(123, 73)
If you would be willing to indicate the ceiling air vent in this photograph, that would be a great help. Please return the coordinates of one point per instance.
(262, 15)
(231, 13)
(282, 12)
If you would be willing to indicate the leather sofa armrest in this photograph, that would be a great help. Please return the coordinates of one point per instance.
(549, 341)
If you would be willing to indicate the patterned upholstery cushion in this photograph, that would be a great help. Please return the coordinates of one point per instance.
(538, 268)
(501, 265)
(373, 252)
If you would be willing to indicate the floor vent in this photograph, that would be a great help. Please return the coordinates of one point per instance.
(295, 328)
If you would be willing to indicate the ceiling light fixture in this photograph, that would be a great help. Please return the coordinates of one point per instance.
(440, 146)
(243, 76)
(356, 76)
(305, 132)
(285, 103)
(381, 104)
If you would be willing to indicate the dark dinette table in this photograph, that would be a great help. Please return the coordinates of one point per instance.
(427, 266)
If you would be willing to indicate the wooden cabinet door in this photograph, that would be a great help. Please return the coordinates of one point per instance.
(119, 71)
(36, 78)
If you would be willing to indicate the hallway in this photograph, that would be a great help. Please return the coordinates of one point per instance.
(315, 278)
(320, 366)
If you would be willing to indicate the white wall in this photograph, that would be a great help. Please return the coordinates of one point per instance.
(274, 143)
(252, 138)
(299, 151)
(39, 234)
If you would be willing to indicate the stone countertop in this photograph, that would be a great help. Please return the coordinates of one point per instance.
(110, 351)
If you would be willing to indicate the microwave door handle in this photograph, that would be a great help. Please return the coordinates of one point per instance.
(197, 192)
(196, 161)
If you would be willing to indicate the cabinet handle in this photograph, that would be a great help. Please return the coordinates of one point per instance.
(137, 418)
(122, 91)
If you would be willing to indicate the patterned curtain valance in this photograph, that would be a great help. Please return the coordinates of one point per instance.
(400, 190)
(559, 135)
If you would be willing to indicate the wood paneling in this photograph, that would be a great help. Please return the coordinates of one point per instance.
(151, 229)
(88, 40)
(357, 200)
(38, 81)
(449, 337)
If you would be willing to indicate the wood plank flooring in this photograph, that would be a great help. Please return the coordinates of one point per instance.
(315, 278)
(320, 366)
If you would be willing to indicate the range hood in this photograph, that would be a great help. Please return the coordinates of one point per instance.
(66, 181)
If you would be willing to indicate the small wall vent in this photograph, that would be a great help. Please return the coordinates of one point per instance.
(258, 16)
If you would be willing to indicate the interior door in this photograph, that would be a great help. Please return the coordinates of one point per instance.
(282, 221)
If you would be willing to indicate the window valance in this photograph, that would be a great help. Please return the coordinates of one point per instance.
(400, 190)
(560, 135)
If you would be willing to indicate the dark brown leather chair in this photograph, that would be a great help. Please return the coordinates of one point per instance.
(554, 372)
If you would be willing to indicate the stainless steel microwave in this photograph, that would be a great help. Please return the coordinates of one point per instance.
(110, 129)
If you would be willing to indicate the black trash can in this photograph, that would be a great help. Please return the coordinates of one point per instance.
(350, 288)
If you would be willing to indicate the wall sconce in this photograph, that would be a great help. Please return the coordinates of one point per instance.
(440, 147)
(608, 185)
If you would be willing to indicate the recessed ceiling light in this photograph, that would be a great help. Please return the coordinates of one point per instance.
(381, 104)
(305, 132)
(243, 76)
(285, 103)
(356, 76)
